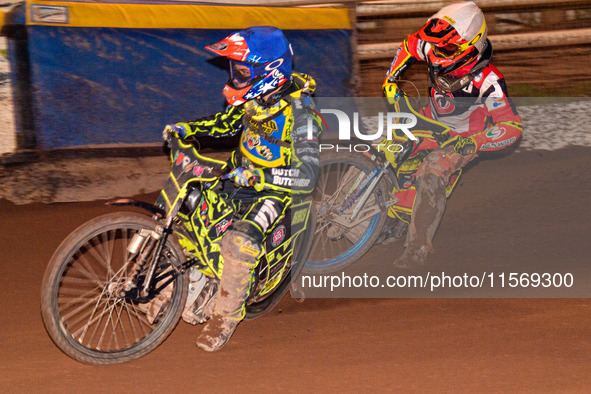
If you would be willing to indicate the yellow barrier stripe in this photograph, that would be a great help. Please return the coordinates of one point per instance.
(182, 16)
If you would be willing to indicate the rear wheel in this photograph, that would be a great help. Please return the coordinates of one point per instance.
(82, 307)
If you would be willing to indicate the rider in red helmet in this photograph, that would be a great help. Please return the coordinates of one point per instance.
(271, 108)
(469, 96)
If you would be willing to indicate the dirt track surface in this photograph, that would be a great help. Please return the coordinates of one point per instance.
(506, 213)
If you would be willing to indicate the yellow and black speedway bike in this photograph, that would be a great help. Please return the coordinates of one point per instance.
(118, 285)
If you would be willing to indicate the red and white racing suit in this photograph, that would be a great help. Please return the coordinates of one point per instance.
(481, 110)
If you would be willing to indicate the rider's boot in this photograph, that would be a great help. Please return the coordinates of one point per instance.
(426, 216)
(394, 230)
(240, 252)
(412, 257)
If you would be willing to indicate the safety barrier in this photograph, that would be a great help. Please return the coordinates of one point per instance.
(63, 119)
(500, 42)
(101, 72)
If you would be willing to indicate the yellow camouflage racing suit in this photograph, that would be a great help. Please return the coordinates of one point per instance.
(279, 143)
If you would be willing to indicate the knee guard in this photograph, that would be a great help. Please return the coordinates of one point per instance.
(242, 243)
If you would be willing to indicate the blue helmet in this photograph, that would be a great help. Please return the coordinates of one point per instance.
(260, 61)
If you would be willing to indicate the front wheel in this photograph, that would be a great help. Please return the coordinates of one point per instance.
(82, 306)
(345, 230)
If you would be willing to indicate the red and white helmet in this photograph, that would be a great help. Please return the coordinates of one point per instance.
(457, 35)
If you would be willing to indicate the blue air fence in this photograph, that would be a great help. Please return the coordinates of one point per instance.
(78, 86)
(497, 253)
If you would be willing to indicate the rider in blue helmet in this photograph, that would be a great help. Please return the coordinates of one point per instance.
(260, 62)
(270, 106)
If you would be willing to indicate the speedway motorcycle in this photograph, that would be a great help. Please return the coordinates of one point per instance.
(354, 193)
(118, 285)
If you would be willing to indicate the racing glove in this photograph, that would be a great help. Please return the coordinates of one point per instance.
(391, 91)
(462, 145)
(181, 129)
(244, 177)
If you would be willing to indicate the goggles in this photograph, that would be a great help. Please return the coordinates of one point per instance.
(241, 72)
(447, 51)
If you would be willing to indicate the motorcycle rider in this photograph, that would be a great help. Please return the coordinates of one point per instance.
(469, 96)
(277, 157)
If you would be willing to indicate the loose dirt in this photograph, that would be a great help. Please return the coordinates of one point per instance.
(516, 213)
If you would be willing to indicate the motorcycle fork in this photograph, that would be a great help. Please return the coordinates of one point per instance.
(166, 231)
(359, 198)
(144, 244)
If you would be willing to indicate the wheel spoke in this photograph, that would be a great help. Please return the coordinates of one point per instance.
(141, 318)
(93, 250)
(81, 281)
(120, 322)
(95, 300)
(106, 325)
(87, 316)
(108, 245)
(71, 300)
(91, 320)
(132, 325)
(114, 324)
(86, 269)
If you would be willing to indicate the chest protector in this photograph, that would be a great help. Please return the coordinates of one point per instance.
(266, 137)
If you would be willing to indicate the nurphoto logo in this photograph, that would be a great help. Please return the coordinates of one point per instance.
(402, 121)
